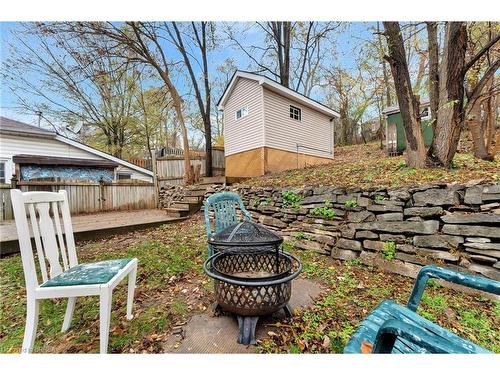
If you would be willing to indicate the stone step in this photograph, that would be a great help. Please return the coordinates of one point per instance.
(176, 212)
(196, 192)
(213, 180)
(193, 200)
(182, 205)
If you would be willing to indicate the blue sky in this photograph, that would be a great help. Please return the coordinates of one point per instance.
(351, 38)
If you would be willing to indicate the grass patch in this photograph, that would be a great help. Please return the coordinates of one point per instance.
(352, 290)
(364, 166)
(171, 287)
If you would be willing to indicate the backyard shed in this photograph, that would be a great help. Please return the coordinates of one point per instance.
(33, 153)
(395, 134)
(270, 128)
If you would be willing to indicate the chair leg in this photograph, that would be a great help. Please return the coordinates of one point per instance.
(70, 308)
(131, 289)
(32, 312)
(104, 316)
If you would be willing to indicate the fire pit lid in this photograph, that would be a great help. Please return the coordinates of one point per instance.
(245, 233)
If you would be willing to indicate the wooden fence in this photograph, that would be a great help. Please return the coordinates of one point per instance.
(88, 197)
(170, 169)
(5, 203)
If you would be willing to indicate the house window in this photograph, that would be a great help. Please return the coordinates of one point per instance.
(124, 176)
(241, 113)
(425, 114)
(2, 172)
(295, 113)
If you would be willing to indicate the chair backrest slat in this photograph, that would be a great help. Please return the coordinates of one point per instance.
(50, 248)
(225, 214)
(38, 241)
(49, 214)
(60, 238)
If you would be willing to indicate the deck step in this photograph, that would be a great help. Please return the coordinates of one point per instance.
(177, 212)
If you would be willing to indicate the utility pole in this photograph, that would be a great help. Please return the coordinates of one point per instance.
(39, 114)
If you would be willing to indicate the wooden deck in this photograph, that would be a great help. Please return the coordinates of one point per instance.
(93, 226)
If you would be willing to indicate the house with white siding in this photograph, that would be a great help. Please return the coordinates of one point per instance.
(269, 127)
(33, 153)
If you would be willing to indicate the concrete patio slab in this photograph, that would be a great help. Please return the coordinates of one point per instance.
(205, 333)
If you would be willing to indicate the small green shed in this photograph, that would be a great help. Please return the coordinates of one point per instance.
(395, 134)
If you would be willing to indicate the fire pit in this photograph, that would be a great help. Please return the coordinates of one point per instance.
(252, 275)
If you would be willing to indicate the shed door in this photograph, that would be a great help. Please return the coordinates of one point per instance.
(392, 138)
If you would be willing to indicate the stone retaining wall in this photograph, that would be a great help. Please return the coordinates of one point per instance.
(397, 229)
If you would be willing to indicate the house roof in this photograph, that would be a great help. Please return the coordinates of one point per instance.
(13, 127)
(276, 87)
(395, 108)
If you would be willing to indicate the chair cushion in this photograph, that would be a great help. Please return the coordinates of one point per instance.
(88, 273)
(367, 331)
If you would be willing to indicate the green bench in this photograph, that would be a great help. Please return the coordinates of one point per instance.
(392, 328)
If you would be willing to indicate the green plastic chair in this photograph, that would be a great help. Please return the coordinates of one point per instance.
(224, 206)
(392, 328)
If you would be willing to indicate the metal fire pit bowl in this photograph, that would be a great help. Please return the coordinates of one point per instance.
(252, 284)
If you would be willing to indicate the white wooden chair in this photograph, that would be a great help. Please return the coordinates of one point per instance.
(70, 280)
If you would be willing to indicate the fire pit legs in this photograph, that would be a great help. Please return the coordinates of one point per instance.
(288, 311)
(247, 325)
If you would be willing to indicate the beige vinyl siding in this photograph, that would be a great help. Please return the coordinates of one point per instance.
(245, 133)
(282, 132)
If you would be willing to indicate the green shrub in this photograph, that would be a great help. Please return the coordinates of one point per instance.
(300, 235)
(379, 197)
(351, 203)
(291, 199)
(389, 250)
(266, 202)
(326, 211)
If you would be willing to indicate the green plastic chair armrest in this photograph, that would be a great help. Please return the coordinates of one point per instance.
(392, 329)
(434, 272)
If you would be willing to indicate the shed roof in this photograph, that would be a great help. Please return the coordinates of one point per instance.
(395, 108)
(276, 87)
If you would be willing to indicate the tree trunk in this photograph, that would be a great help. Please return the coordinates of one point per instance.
(433, 46)
(282, 37)
(203, 105)
(177, 104)
(384, 69)
(408, 103)
(433, 70)
(473, 122)
(451, 93)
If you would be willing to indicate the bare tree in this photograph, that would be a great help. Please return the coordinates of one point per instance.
(141, 42)
(199, 35)
(291, 52)
(71, 84)
(450, 101)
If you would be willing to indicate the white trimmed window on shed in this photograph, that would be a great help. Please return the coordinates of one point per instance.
(425, 114)
(295, 113)
(241, 113)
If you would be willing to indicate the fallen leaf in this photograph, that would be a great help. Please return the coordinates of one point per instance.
(366, 347)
